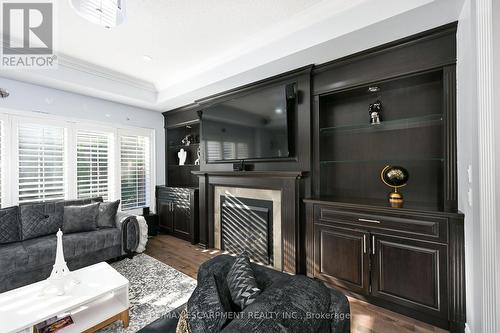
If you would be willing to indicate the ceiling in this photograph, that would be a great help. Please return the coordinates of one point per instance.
(201, 47)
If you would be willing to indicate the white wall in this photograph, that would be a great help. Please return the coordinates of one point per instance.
(496, 107)
(33, 98)
(467, 137)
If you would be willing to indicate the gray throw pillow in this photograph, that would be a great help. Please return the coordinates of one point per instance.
(80, 218)
(241, 282)
(107, 214)
(9, 225)
(205, 310)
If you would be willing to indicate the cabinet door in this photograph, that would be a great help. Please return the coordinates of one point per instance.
(166, 216)
(182, 219)
(410, 273)
(341, 257)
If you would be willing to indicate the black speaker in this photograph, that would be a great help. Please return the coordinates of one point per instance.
(145, 211)
(239, 166)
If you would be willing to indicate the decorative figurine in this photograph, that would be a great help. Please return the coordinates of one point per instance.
(58, 277)
(375, 110)
(198, 153)
(396, 177)
(187, 140)
(182, 154)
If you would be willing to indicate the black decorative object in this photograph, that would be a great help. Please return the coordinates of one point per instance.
(145, 211)
(375, 110)
(396, 177)
(186, 141)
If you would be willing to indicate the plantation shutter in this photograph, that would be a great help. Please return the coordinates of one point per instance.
(92, 158)
(135, 178)
(41, 162)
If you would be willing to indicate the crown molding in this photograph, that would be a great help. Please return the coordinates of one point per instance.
(99, 71)
(85, 67)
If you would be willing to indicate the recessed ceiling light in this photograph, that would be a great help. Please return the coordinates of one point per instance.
(279, 111)
(147, 58)
(373, 89)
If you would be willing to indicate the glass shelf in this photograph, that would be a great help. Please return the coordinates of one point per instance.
(388, 125)
(181, 166)
(183, 146)
(386, 161)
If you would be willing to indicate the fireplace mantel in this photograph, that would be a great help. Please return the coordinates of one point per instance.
(291, 186)
(268, 174)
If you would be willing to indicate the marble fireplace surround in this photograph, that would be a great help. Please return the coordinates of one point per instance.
(289, 186)
(251, 193)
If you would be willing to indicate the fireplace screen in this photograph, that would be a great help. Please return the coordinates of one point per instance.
(246, 224)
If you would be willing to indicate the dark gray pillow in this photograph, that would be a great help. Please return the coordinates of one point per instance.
(205, 310)
(241, 282)
(107, 214)
(9, 225)
(80, 218)
(40, 218)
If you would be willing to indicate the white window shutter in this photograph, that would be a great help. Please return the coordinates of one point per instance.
(135, 171)
(41, 162)
(93, 164)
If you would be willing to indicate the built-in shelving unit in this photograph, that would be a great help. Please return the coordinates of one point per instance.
(180, 175)
(353, 152)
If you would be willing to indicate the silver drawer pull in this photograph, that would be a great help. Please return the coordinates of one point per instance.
(370, 221)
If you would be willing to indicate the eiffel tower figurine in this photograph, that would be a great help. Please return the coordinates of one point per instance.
(57, 278)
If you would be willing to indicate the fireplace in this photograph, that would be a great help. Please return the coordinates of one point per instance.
(247, 225)
(249, 219)
(283, 188)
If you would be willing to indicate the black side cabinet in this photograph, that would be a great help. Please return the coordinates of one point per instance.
(178, 212)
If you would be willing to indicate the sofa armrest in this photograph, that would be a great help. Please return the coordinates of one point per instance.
(129, 227)
(339, 306)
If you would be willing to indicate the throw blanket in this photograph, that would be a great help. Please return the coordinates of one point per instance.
(143, 234)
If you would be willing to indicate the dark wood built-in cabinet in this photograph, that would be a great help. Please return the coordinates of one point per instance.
(178, 212)
(397, 258)
(409, 259)
(338, 226)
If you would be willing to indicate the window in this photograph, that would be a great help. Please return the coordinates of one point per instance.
(41, 162)
(47, 158)
(134, 170)
(92, 160)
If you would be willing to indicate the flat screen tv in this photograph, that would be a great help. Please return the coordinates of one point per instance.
(252, 127)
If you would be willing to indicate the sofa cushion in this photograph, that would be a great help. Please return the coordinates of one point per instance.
(80, 218)
(82, 243)
(241, 282)
(9, 225)
(205, 310)
(41, 250)
(40, 219)
(107, 214)
(13, 257)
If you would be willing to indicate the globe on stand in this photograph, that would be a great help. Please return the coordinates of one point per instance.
(395, 177)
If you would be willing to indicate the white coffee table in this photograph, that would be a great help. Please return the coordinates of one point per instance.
(99, 299)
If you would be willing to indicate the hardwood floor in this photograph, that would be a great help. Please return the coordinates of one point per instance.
(366, 318)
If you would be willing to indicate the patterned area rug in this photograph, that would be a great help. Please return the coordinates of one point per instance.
(155, 289)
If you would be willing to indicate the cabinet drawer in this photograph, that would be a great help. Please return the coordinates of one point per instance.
(422, 227)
